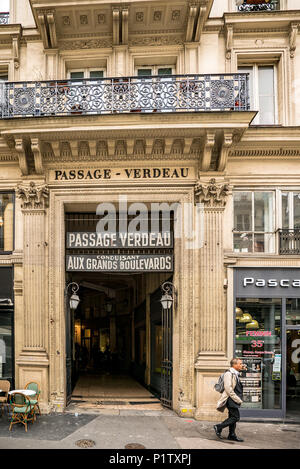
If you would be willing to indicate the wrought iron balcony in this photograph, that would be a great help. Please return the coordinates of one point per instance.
(168, 93)
(4, 18)
(289, 242)
(257, 5)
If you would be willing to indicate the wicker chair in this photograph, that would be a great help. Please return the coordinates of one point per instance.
(5, 387)
(34, 401)
(22, 411)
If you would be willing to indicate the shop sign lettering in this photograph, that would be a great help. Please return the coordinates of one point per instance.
(126, 173)
(260, 282)
(94, 240)
(119, 263)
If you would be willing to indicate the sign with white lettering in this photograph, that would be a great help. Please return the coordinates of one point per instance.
(92, 240)
(119, 263)
(267, 283)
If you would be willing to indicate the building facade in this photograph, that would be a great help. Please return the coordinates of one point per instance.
(193, 103)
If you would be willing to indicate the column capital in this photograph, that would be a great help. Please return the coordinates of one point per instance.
(212, 194)
(34, 196)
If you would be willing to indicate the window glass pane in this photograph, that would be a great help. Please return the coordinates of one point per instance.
(266, 81)
(264, 242)
(76, 75)
(6, 352)
(285, 210)
(164, 71)
(293, 370)
(266, 110)
(144, 72)
(243, 242)
(297, 210)
(242, 211)
(6, 222)
(258, 343)
(96, 74)
(293, 311)
(263, 211)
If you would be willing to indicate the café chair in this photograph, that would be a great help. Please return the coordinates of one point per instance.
(21, 409)
(34, 401)
(5, 387)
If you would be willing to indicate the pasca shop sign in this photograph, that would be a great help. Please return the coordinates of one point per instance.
(269, 283)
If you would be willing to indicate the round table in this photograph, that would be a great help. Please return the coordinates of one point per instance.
(26, 392)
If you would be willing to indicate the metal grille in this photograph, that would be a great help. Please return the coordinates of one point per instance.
(260, 6)
(4, 18)
(172, 93)
(289, 242)
(167, 361)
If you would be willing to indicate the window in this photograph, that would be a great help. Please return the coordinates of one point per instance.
(258, 344)
(262, 92)
(154, 70)
(85, 73)
(6, 222)
(253, 222)
(290, 209)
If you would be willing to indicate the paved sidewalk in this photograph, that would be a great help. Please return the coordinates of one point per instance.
(113, 429)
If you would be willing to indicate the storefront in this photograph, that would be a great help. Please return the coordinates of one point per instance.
(267, 338)
(6, 324)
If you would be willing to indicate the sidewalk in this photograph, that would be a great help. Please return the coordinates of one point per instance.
(113, 429)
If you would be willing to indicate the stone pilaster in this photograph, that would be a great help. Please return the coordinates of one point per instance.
(33, 360)
(211, 330)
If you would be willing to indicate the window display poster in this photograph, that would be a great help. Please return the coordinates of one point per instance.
(276, 372)
(251, 378)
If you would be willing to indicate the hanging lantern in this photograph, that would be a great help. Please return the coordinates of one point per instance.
(238, 312)
(246, 318)
(252, 325)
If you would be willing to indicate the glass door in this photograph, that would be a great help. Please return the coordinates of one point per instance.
(292, 371)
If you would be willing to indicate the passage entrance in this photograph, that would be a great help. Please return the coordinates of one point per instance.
(116, 336)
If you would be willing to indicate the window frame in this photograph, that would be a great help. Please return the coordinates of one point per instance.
(154, 69)
(253, 232)
(254, 92)
(86, 71)
(291, 208)
(2, 192)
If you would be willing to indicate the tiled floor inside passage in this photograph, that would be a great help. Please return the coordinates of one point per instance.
(108, 391)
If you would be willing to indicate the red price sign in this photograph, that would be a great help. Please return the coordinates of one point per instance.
(257, 343)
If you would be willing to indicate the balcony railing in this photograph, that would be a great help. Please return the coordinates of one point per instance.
(4, 18)
(169, 93)
(289, 242)
(258, 5)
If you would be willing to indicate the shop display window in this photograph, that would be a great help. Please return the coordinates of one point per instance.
(258, 342)
(6, 346)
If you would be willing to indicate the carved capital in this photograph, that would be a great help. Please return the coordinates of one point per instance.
(212, 194)
(34, 196)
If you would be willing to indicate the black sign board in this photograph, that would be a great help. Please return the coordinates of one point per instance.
(267, 283)
(6, 283)
(139, 240)
(119, 263)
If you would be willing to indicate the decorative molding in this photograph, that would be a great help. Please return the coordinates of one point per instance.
(260, 152)
(212, 194)
(34, 197)
(229, 40)
(85, 44)
(207, 150)
(156, 40)
(293, 39)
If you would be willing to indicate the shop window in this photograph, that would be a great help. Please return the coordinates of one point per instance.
(253, 222)
(6, 222)
(258, 342)
(6, 345)
(262, 83)
(293, 312)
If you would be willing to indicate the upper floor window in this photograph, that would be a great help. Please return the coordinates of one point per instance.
(154, 70)
(290, 208)
(257, 5)
(85, 73)
(253, 222)
(6, 222)
(263, 92)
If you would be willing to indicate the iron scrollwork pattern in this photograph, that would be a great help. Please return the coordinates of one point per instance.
(172, 93)
(4, 18)
(259, 6)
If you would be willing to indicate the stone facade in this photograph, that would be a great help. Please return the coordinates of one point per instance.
(222, 151)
